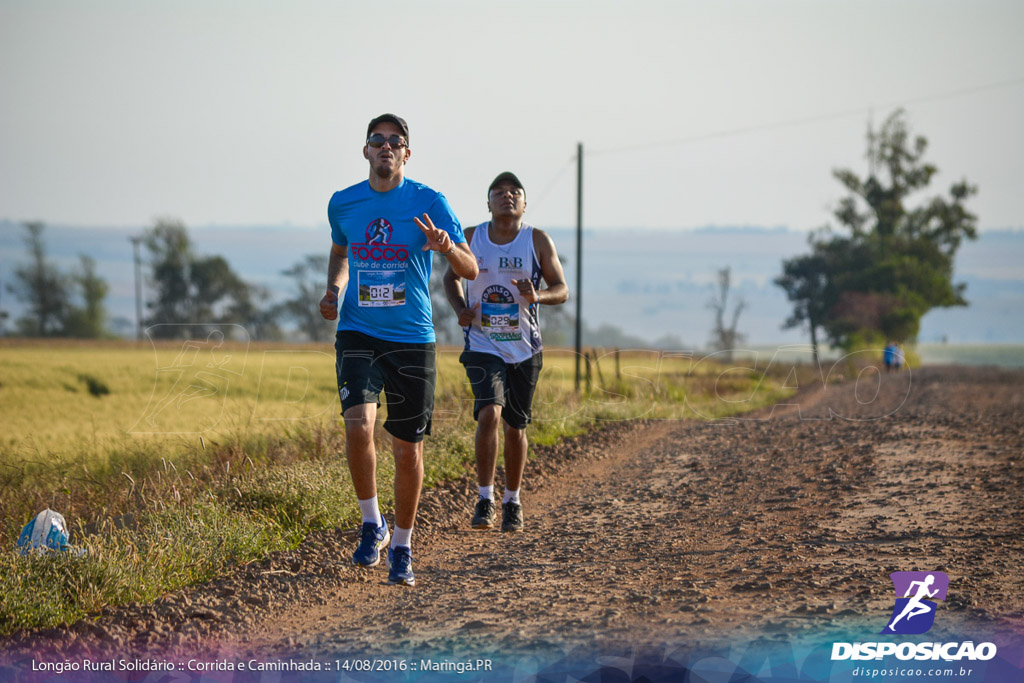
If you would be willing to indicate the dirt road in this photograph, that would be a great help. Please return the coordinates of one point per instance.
(650, 541)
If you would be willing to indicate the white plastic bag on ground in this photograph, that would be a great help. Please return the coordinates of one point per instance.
(47, 530)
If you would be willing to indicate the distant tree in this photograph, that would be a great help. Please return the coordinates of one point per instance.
(217, 293)
(611, 336)
(251, 308)
(170, 260)
(805, 278)
(190, 292)
(89, 319)
(725, 337)
(310, 280)
(41, 286)
(60, 304)
(894, 261)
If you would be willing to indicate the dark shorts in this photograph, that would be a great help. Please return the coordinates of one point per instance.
(510, 385)
(405, 372)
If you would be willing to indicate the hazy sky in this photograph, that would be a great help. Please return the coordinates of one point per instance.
(240, 113)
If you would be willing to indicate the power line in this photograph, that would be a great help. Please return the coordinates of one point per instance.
(807, 119)
(551, 184)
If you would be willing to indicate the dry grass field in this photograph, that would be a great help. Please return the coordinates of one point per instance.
(238, 448)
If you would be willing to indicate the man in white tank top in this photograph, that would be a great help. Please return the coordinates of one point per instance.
(499, 314)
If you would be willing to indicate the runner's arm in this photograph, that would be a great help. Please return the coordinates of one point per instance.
(557, 291)
(462, 261)
(337, 279)
(454, 293)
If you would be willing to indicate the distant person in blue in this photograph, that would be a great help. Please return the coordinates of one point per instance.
(382, 231)
(889, 356)
(892, 357)
(500, 317)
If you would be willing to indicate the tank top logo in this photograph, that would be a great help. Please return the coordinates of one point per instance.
(496, 294)
(510, 263)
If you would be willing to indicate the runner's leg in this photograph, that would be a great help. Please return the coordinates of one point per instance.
(515, 456)
(362, 456)
(487, 443)
(408, 481)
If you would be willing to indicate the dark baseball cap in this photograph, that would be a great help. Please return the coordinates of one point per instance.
(389, 118)
(506, 177)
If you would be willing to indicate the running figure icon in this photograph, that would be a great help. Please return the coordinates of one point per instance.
(914, 611)
(915, 607)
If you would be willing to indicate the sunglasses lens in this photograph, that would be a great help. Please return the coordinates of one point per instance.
(377, 140)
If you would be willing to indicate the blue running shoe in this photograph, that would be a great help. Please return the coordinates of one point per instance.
(373, 538)
(400, 566)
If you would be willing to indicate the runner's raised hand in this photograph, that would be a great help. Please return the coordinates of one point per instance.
(437, 239)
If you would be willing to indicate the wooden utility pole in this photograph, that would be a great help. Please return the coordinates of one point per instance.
(579, 259)
(136, 241)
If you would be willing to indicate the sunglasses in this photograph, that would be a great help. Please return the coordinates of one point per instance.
(377, 140)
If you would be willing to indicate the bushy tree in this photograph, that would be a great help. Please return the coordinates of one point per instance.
(891, 260)
(41, 286)
(310, 279)
(88, 320)
(805, 278)
(191, 292)
(59, 304)
(170, 261)
(252, 309)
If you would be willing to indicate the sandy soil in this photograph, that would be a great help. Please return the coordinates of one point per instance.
(654, 537)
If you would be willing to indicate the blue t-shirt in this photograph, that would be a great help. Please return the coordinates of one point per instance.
(387, 295)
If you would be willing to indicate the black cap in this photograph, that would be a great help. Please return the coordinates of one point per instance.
(389, 118)
(506, 177)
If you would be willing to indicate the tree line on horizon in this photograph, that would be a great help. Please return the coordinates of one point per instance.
(183, 287)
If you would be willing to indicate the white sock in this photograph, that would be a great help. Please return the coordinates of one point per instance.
(371, 513)
(401, 537)
(510, 497)
(487, 492)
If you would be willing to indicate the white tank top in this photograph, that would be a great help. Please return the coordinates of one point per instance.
(505, 325)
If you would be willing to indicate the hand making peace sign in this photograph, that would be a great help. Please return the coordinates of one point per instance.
(437, 239)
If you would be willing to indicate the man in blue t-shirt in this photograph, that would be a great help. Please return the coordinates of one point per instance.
(382, 231)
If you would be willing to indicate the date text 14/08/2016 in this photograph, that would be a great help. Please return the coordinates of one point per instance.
(444, 665)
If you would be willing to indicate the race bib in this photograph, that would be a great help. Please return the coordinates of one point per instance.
(500, 321)
(382, 288)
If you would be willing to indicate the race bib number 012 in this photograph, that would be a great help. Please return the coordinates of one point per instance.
(381, 288)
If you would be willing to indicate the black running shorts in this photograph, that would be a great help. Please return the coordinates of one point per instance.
(405, 372)
(510, 385)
